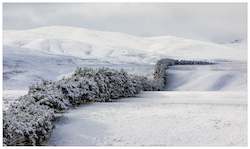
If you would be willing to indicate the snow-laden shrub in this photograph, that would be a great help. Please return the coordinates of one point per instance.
(103, 84)
(86, 85)
(29, 120)
(50, 94)
(160, 74)
(150, 84)
(79, 89)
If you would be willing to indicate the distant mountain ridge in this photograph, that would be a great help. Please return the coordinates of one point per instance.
(114, 46)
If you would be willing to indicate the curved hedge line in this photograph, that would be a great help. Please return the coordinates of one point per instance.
(160, 70)
(29, 121)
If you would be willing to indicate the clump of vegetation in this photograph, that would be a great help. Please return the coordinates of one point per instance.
(29, 120)
(160, 70)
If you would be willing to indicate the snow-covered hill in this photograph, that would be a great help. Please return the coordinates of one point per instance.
(85, 43)
(51, 52)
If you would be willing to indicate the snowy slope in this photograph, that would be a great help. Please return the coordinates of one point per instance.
(23, 67)
(159, 119)
(51, 52)
(220, 77)
(86, 43)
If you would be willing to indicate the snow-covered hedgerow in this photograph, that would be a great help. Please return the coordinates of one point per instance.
(26, 122)
(29, 120)
(160, 70)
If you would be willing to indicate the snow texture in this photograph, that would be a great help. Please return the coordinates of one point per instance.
(222, 76)
(10, 96)
(166, 118)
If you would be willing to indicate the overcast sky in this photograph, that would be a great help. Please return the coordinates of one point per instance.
(215, 22)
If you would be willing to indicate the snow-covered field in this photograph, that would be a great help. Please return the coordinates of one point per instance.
(158, 118)
(152, 118)
(224, 76)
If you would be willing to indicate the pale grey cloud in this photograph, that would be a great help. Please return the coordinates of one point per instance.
(204, 21)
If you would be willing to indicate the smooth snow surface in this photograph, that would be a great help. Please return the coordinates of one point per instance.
(224, 76)
(158, 118)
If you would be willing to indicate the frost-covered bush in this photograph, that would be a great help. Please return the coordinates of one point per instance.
(147, 84)
(50, 94)
(79, 89)
(28, 121)
(160, 74)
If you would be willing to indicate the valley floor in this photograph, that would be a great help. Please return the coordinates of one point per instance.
(158, 118)
(207, 106)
